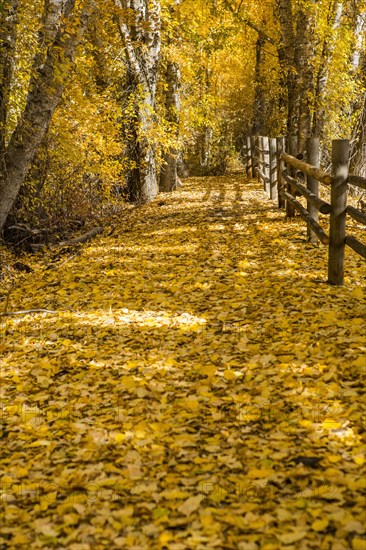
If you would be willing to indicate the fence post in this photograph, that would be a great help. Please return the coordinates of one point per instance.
(313, 158)
(244, 152)
(272, 168)
(253, 142)
(266, 165)
(338, 201)
(280, 144)
(292, 149)
(249, 158)
(258, 155)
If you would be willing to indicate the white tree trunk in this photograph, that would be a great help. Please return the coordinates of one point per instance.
(140, 33)
(168, 176)
(8, 22)
(45, 92)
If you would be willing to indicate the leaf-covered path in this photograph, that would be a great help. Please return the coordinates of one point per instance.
(199, 387)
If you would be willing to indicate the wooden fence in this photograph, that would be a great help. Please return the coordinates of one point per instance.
(286, 175)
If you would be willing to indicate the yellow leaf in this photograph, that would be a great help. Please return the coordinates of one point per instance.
(357, 293)
(358, 544)
(354, 527)
(360, 362)
(330, 424)
(20, 538)
(306, 423)
(165, 538)
(334, 458)
(192, 403)
(320, 525)
(49, 497)
(128, 382)
(290, 538)
(208, 370)
(174, 494)
(259, 474)
(190, 505)
(329, 316)
(229, 374)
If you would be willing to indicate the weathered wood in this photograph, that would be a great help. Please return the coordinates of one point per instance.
(318, 204)
(261, 150)
(358, 181)
(263, 163)
(337, 233)
(313, 158)
(83, 238)
(292, 145)
(249, 158)
(262, 176)
(309, 170)
(266, 165)
(253, 143)
(280, 145)
(356, 214)
(272, 169)
(355, 244)
(322, 236)
(260, 159)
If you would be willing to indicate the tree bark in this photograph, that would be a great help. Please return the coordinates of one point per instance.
(286, 53)
(259, 124)
(141, 36)
(304, 57)
(358, 143)
(45, 91)
(335, 14)
(296, 53)
(8, 23)
(169, 176)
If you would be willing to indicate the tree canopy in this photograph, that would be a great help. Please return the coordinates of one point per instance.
(103, 98)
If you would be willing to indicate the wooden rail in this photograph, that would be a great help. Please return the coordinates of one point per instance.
(285, 175)
(309, 170)
(358, 181)
(322, 236)
(320, 205)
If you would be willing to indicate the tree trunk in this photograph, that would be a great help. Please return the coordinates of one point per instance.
(141, 37)
(46, 88)
(168, 176)
(304, 57)
(8, 23)
(286, 55)
(296, 52)
(259, 124)
(335, 14)
(358, 67)
(358, 152)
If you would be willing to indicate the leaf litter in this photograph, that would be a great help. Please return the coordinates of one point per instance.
(200, 386)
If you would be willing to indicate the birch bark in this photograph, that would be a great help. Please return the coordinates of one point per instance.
(140, 29)
(64, 30)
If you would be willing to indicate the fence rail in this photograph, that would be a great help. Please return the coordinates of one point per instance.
(286, 175)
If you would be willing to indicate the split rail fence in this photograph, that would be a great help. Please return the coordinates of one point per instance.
(286, 175)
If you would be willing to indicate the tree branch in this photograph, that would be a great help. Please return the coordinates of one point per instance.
(250, 23)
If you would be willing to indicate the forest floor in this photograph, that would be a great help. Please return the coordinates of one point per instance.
(198, 386)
